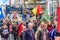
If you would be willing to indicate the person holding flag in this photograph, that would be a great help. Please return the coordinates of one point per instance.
(20, 29)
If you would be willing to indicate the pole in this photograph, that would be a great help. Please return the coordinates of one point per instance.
(9, 2)
(35, 2)
(53, 8)
(48, 6)
(24, 4)
(58, 2)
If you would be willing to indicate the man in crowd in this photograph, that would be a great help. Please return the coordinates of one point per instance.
(29, 34)
(43, 34)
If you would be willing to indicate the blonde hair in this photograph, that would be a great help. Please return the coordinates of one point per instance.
(45, 25)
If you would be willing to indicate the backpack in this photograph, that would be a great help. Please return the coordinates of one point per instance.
(52, 33)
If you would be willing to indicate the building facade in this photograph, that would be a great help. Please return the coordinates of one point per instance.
(49, 5)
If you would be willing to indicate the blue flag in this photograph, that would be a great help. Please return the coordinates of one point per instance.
(2, 15)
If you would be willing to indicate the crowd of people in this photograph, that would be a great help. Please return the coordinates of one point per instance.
(43, 28)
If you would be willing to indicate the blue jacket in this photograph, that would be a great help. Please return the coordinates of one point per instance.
(23, 16)
(52, 34)
(29, 35)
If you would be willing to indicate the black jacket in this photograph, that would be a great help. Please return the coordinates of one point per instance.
(6, 32)
(14, 30)
(29, 35)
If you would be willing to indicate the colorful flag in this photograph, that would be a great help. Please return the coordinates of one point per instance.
(46, 12)
(58, 14)
(2, 14)
(48, 17)
(39, 9)
(34, 10)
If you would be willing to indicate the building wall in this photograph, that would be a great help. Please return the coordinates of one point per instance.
(29, 3)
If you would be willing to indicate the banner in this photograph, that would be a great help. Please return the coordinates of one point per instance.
(2, 14)
(58, 14)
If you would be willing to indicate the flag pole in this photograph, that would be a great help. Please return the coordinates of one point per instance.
(35, 2)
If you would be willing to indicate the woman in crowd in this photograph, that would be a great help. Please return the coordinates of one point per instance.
(49, 27)
(5, 32)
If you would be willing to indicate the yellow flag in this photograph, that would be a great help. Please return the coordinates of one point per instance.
(34, 10)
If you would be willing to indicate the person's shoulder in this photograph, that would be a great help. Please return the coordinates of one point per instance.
(40, 31)
(27, 30)
(39, 28)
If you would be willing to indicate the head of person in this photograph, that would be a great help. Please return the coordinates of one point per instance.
(24, 11)
(45, 27)
(14, 24)
(49, 22)
(22, 22)
(10, 22)
(4, 25)
(24, 28)
(30, 25)
(42, 24)
(55, 22)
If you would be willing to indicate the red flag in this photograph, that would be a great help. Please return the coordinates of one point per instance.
(20, 28)
(39, 9)
(58, 13)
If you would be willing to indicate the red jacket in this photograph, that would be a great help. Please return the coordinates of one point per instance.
(20, 28)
